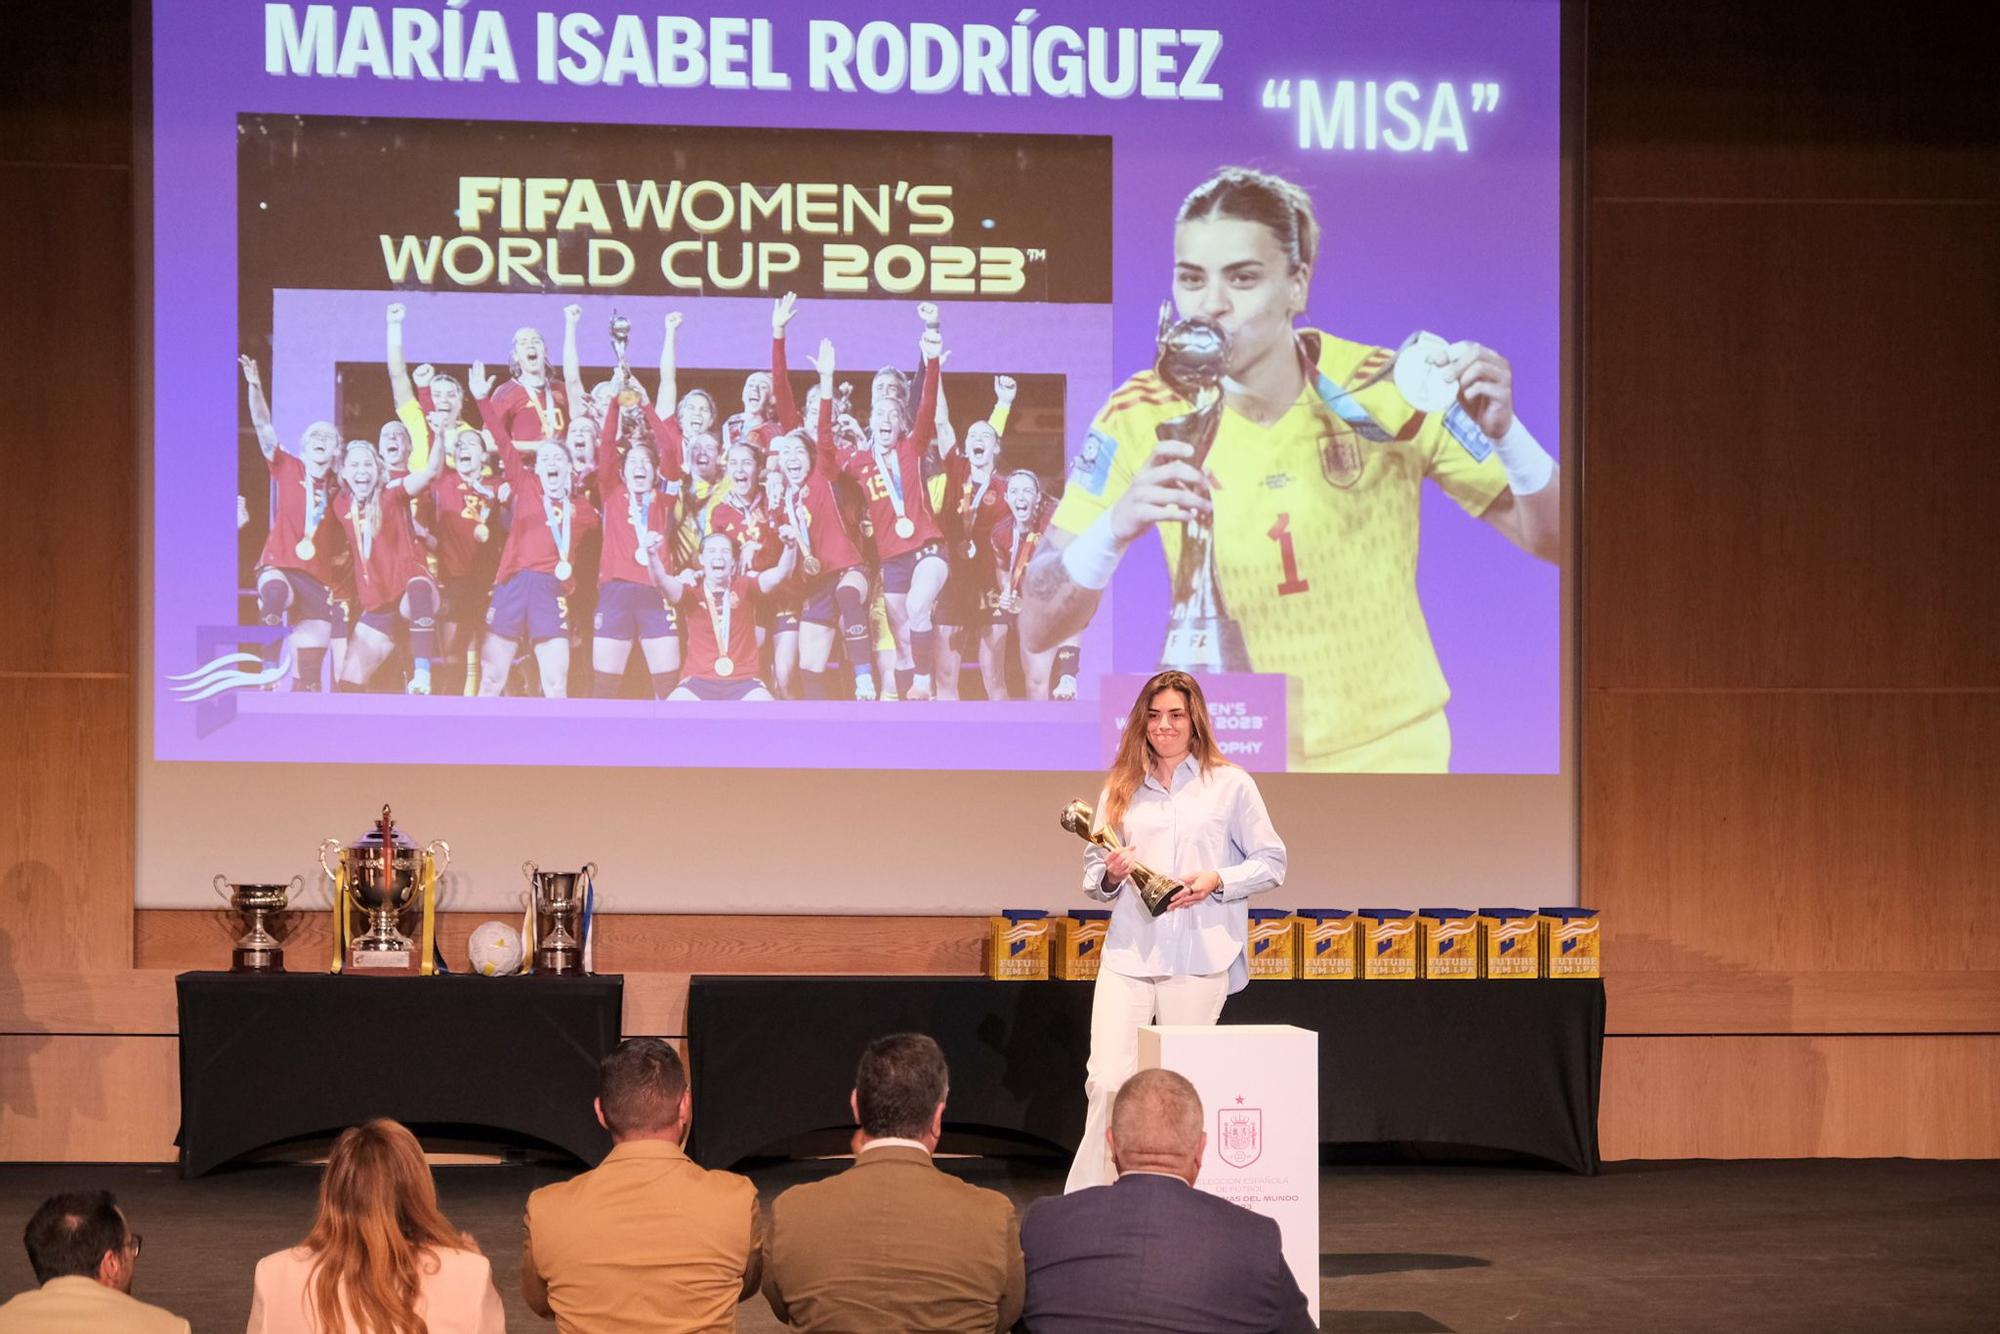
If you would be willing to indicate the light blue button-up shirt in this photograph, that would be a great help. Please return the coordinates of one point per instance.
(1205, 822)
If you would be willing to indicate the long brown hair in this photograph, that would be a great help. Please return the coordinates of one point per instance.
(1135, 749)
(378, 1215)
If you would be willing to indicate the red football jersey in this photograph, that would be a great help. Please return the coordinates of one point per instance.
(877, 487)
(301, 504)
(731, 618)
(516, 412)
(454, 512)
(537, 539)
(1010, 559)
(386, 553)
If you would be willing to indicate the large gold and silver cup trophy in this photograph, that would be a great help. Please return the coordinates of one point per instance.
(556, 903)
(379, 877)
(258, 951)
(1156, 891)
(1202, 636)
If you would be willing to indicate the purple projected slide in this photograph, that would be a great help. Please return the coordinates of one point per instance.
(607, 386)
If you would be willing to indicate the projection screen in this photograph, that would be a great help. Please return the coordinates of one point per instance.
(670, 440)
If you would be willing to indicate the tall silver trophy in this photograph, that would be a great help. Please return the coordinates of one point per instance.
(1202, 636)
(558, 898)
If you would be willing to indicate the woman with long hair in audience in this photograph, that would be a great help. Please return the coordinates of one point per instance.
(381, 1257)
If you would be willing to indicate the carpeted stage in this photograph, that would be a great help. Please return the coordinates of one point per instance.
(1816, 1246)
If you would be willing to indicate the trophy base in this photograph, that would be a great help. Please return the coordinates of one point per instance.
(383, 963)
(1203, 645)
(558, 962)
(1157, 894)
(265, 960)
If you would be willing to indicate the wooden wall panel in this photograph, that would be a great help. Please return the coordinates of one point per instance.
(65, 824)
(130, 1001)
(71, 555)
(1788, 485)
(1801, 1097)
(1720, 99)
(1787, 831)
(88, 1099)
(1712, 1000)
(66, 95)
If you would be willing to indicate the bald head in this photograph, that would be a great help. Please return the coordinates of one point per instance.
(1156, 1125)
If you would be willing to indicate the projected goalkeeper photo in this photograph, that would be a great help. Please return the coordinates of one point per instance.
(1307, 485)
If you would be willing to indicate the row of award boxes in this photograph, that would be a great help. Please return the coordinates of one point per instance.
(1330, 944)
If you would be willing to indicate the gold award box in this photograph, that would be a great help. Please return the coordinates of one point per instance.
(1570, 943)
(1388, 944)
(1017, 945)
(1327, 944)
(1509, 943)
(1270, 947)
(1449, 941)
(1077, 947)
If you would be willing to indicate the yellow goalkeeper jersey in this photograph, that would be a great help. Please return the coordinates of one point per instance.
(1315, 537)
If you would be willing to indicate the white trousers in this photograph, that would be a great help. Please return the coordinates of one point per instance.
(1118, 1007)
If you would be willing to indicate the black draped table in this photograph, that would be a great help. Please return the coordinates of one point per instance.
(267, 1059)
(1510, 1066)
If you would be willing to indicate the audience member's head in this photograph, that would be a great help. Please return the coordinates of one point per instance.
(900, 1087)
(82, 1234)
(1156, 1126)
(378, 1214)
(642, 1091)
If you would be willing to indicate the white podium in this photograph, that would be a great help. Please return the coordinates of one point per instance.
(1259, 1086)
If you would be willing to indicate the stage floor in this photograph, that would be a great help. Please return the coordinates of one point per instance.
(1770, 1246)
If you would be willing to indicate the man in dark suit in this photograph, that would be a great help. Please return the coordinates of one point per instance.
(1150, 1252)
(892, 1243)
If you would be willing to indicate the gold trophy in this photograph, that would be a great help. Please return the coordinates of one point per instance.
(1156, 891)
(1202, 636)
(258, 951)
(380, 875)
(559, 897)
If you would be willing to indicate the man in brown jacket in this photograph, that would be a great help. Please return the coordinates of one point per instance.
(646, 1240)
(892, 1243)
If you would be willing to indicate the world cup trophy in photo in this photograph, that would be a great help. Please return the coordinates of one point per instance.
(380, 876)
(258, 951)
(1156, 891)
(558, 902)
(1202, 637)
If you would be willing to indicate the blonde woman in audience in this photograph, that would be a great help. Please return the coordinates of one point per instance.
(381, 1257)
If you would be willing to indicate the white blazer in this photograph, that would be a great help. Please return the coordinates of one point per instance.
(458, 1298)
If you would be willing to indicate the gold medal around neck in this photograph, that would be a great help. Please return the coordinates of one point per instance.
(972, 548)
(724, 664)
(480, 532)
(906, 526)
(564, 569)
(305, 548)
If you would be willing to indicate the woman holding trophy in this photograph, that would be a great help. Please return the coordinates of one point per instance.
(1192, 842)
(1284, 469)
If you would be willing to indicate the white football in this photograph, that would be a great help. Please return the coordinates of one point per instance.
(495, 949)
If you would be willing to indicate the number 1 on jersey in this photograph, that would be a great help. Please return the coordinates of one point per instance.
(1281, 533)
